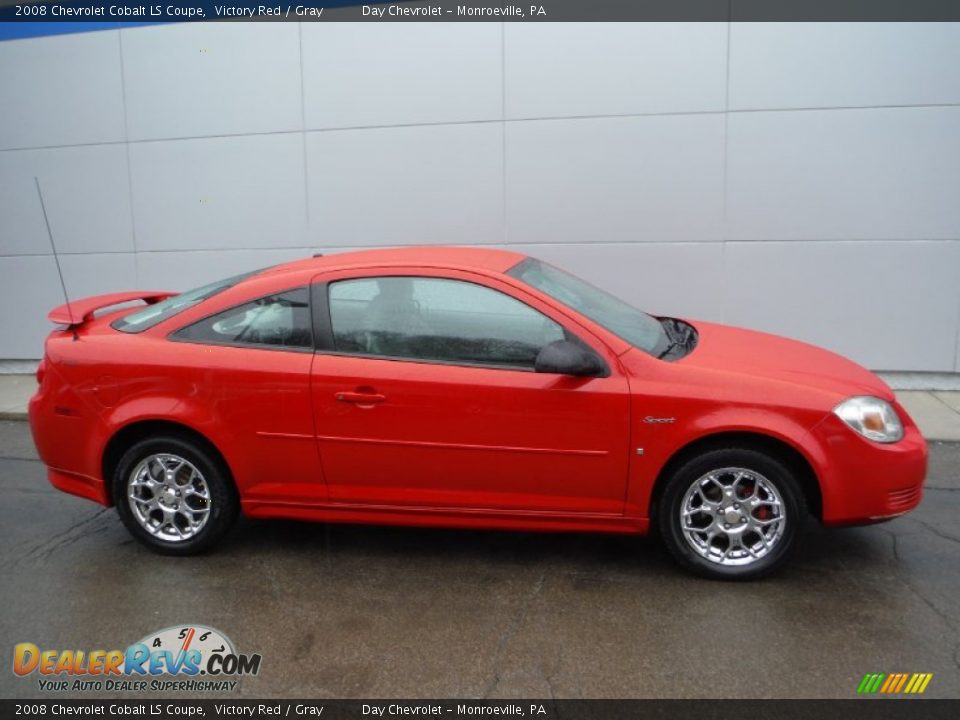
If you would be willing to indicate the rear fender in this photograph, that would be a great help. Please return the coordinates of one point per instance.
(193, 416)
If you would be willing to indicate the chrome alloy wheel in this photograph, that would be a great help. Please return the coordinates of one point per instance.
(169, 497)
(732, 516)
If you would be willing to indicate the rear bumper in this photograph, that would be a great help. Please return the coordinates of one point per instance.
(65, 443)
(865, 482)
(80, 485)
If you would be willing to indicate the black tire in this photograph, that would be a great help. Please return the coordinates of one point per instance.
(222, 507)
(771, 470)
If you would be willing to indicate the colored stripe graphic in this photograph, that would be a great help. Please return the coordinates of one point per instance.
(870, 683)
(894, 683)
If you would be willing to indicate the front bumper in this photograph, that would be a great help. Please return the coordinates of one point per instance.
(862, 481)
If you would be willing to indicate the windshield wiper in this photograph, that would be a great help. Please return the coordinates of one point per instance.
(679, 334)
(672, 342)
(671, 346)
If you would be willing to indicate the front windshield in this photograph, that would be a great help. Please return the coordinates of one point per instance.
(634, 326)
(155, 314)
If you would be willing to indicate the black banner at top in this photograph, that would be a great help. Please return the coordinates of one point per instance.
(479, 11)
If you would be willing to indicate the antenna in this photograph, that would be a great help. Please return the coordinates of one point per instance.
(56, 257)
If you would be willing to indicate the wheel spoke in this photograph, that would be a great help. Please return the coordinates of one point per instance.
(192, 491)
(736, 480)
(174, 528)
(714, 480)
(766, 523)
(155, 469)
(148, 503)
(763, 539)
(726, 551)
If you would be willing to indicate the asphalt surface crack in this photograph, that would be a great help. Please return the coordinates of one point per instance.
(896, 545)
(935, 530)
(516, 622)
(46, 547)
(929, 603)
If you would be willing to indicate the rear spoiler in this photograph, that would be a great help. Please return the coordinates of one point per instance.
(77, 312)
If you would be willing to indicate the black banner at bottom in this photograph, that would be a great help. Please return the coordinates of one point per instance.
(855, 709)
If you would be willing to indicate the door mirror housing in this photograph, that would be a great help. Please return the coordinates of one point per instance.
(568, 358)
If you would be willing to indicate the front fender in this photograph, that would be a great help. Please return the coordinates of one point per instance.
(657, 443)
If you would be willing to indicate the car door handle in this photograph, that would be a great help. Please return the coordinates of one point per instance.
(360, 398)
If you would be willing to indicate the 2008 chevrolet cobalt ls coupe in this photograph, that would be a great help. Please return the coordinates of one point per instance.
(464, 388)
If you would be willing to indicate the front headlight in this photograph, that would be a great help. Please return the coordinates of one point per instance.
(872, 417)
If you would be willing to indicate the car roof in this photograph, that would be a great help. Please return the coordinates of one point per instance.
(461, 258)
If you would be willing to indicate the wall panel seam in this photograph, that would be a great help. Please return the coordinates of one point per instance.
(503, 132)
(724, 225)
(306, 247)
(303, 134)
(956, 339)
(126, 145)
(550, 118)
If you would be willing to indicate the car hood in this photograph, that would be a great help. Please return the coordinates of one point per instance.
(749, 352)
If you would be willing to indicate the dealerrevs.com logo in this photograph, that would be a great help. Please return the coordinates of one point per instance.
(183, 657)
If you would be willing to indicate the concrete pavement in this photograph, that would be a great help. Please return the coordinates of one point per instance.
(936, 413)
(15, 392)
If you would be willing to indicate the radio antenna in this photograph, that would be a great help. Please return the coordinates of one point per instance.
(56, 257)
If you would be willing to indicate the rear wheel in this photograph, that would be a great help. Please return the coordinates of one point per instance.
(731, 514)
(174, 496)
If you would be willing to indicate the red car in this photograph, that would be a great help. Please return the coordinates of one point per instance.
(463, 388)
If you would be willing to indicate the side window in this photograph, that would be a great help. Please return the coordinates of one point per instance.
(437, 319)
(281, 320)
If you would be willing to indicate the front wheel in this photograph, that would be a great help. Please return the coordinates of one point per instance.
(731, 514)
(174, 496)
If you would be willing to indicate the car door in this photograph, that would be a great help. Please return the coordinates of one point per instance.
(425, 396)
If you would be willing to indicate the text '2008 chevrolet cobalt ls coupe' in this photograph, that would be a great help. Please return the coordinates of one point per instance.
(463, 388)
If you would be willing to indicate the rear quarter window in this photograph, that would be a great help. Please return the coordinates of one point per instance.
(281, 320)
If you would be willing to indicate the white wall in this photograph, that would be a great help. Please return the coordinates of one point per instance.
(802, 179)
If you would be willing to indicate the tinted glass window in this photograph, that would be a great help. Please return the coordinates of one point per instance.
(154, 314)
(278, 321)
(436, 319)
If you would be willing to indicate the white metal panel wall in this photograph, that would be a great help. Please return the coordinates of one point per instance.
(801, 178)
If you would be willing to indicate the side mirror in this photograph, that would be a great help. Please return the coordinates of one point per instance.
(567, 358)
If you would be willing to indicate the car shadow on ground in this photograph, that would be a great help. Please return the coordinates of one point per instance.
(820, 549)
